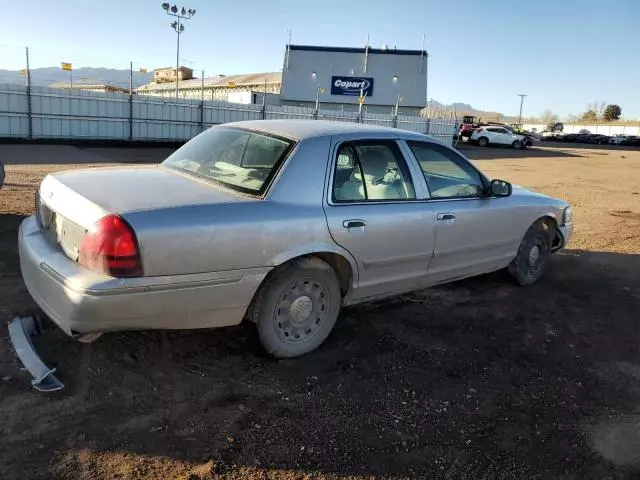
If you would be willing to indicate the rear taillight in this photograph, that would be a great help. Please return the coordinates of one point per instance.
(110, 247)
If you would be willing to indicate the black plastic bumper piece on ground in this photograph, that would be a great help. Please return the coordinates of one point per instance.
(20, 331)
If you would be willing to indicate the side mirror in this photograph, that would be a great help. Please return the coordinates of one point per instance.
(500, 188)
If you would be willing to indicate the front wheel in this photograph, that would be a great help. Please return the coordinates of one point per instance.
(297, 307)
(533, 255)
(517, 145)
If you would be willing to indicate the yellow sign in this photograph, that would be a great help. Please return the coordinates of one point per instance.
(231, 84)
(66, 66)
(360, 100)
(23, 71)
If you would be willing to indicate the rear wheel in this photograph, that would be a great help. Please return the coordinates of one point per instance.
(533, 255)
(297, 307)
(483, 141)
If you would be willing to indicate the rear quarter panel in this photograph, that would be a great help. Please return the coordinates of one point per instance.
(288, 222)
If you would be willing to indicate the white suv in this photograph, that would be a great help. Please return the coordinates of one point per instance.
(497, 136)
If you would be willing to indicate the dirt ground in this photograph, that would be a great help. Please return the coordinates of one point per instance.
(478, 379)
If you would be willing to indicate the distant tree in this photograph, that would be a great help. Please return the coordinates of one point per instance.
(600, 109)
(589, 116)
(612, 112)
(548, 117)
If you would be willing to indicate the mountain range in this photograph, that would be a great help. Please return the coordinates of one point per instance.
(89, 75)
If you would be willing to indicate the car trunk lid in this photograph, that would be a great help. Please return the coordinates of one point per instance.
(70, 203)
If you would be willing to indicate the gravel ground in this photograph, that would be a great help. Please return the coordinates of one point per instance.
(478, 379)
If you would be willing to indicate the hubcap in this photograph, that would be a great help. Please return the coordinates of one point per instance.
(534, 255)
(302, 309)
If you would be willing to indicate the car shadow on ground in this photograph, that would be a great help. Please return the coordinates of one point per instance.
(475, 378)
(474, 152)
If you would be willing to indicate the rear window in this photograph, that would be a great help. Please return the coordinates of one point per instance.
(242, 160)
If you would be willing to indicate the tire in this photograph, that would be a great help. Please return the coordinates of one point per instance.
(533, 255)
(297, 307)
(517, 145)
(483, 141)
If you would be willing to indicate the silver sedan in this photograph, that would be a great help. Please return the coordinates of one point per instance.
(278, 222)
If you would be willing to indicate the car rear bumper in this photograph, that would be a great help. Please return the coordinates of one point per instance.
(82, 301)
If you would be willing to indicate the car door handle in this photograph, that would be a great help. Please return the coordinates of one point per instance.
(354, 223)
(446, 216)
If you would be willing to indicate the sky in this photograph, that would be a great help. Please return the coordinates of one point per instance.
(563, 54)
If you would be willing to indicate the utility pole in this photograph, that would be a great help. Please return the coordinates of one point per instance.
(29, 105)
(181, 15)
(521, 95)
(202, 100)
(130, 101)
(264, 100)
(130, 78)
(202, 86)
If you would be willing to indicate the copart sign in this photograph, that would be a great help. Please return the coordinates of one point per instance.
(351, 86)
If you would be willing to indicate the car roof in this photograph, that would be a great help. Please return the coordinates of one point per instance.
(304, 129)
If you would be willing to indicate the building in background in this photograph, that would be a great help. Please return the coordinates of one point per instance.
(221, 87)
(168, 74)
(340, 78)
(384, 80)
(92, 87)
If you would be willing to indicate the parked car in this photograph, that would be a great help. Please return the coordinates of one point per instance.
(569, 137)
(635, 141)
(598, 139)
(550, 136)
(620, 140)
(485, 136)
(278, 222)
(529, 139)
(584, 138)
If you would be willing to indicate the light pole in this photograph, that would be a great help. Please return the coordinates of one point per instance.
(314, 76)
(181, 15)
(521, 95)
(398, 100)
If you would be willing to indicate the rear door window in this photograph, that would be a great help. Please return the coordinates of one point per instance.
(371, 171)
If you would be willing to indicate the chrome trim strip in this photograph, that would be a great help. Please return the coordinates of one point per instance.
(138, 288)
(396, 260)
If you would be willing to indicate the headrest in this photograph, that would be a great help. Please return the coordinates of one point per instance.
(374, 166)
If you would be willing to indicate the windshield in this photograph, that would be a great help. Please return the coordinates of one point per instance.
(243, 160)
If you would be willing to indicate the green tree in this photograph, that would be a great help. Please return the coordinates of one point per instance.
(589, 116)
(612, 112)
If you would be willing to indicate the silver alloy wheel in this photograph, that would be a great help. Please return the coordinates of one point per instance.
(301, 310)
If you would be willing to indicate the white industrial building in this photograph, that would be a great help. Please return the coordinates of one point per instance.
(336, 78)
(340, 78)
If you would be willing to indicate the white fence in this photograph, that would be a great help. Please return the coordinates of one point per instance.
(48, 113)
(601, 129)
